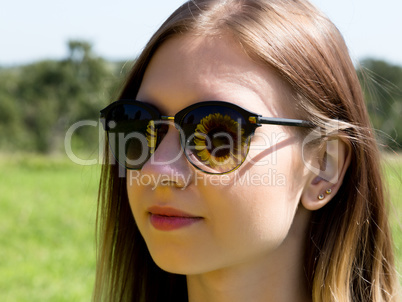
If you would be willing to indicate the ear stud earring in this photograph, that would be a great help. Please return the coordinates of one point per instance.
(321, 196)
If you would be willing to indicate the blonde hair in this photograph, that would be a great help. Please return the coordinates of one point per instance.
(349, 255)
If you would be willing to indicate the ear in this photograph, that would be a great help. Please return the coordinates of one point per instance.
(333, 161)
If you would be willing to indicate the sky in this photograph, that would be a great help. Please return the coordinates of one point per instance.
(119, 29)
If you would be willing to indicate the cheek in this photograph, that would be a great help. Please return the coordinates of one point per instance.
(275, 161)
(259, 215)
(264, 199)
(253, 216)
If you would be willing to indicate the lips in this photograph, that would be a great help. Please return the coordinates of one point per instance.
(168, 219)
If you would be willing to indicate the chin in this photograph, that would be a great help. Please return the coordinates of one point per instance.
(179, 264)
(176, 268)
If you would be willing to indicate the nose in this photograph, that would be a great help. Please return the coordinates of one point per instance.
(168, 164)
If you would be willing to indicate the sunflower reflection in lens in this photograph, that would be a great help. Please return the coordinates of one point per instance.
(217, 142)
(151, 136)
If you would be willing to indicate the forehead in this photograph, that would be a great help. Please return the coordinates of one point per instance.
(189, 69)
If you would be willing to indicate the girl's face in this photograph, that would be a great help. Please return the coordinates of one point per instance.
(235, 218)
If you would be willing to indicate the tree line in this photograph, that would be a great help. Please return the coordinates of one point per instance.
(40, 101)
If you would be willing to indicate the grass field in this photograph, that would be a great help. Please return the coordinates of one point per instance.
(47, 216)
(393, 171)
(47, 221)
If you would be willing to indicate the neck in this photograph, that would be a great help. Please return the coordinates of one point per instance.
(277, 276)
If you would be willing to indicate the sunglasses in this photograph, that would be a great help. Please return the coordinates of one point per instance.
(214, 135)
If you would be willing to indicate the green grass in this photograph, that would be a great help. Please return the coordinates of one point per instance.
(47, 217)
(393, 171)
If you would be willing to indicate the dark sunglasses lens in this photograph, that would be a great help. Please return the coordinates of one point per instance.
(132, 134)
(216, 141)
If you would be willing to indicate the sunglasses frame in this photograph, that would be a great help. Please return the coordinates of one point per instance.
(253, 120)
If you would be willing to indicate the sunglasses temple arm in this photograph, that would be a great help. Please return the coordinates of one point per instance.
(284, 122)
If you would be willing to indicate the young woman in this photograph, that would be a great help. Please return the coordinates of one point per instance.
(247, 167)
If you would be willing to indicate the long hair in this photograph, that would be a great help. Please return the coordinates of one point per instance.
(349, 255)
